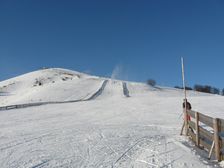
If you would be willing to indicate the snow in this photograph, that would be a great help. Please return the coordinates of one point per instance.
(56, 85)
(111, 130)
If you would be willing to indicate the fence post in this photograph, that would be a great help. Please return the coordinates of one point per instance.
(216, 138)
(197, 128)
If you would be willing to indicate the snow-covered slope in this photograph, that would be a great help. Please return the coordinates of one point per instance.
(115, 123)
(48, 85)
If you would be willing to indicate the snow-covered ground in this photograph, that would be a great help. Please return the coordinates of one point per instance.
(106, 128)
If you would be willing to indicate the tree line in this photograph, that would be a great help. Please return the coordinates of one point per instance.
(205, 89)
(197, 87)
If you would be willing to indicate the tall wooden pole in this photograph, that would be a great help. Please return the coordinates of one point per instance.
(185, 97)
(183, 77)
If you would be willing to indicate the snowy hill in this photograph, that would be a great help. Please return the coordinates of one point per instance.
(96, 122)
(48, 85)
(51, 85)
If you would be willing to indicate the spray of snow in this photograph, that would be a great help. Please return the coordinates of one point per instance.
(119, 73)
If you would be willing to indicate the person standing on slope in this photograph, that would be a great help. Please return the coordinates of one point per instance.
(188, 107)
(188, 104)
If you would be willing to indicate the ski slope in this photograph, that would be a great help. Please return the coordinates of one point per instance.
(106, 128)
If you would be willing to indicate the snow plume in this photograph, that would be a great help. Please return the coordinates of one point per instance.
(119, 73)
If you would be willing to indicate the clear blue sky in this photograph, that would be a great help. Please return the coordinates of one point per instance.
(144, 38)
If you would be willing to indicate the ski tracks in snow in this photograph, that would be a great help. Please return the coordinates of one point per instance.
(115, 150)
(145, 152)
(158, 151)
(93, 146)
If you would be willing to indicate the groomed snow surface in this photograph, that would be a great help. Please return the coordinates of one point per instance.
(110, 123)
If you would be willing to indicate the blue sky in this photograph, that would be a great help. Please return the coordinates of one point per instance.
(142, 38)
